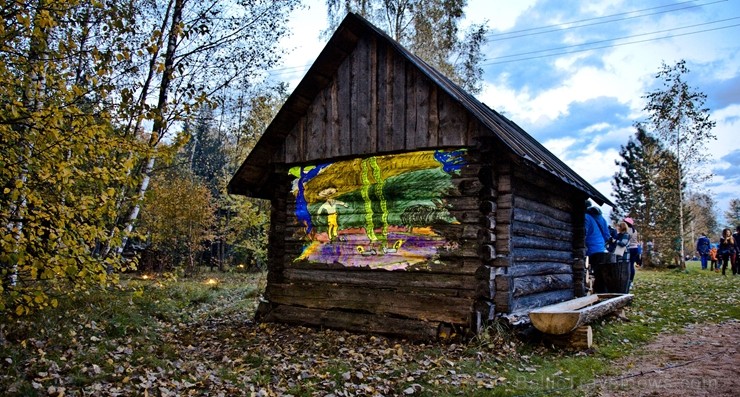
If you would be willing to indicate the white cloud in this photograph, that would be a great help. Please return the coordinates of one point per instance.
(516, 105)
(600, 7)
(727, 143)
(595, 166)
(560, 146)
(617, 76)
(501, 15)
(727, 130)
(304, 43)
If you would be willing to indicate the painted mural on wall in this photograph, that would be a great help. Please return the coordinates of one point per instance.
(383, 212)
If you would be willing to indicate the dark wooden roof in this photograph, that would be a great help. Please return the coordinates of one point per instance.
(251, 178)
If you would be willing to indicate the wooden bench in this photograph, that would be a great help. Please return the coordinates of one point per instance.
(565, 323)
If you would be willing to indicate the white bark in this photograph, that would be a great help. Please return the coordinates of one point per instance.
(134, 214)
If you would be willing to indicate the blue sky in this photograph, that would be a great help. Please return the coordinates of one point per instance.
(573, 73)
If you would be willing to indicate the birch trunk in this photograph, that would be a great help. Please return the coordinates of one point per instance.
(159, 123)
(33, 103)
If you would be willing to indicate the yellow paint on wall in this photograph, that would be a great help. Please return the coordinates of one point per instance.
(345, 176)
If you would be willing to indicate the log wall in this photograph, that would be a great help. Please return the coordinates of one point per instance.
(539, 259)
(517, 247)
(440, 294)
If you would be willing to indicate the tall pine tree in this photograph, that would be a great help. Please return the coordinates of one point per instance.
(642, 187)
(206, 151)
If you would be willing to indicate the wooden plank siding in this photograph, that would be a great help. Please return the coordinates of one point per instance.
(398, 116)
(404, 303)
(377, 102)
(363, 92)
(579, 247)
(276, 238)
(356, 322)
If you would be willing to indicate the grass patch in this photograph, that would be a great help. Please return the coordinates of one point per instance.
(665, 301)
(196, 336)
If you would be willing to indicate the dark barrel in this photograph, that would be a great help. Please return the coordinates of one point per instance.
(611, 275)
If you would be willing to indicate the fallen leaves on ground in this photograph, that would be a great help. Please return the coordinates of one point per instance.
(230, 355)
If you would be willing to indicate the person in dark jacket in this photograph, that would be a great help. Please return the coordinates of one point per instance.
(703, 245)
(726, 250)
(619, 240)
(633, 247)
(736, 258)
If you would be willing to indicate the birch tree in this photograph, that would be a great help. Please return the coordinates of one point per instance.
(191, 51)
(56, 139)
(678, 115)
(89, 91)
(429, 29)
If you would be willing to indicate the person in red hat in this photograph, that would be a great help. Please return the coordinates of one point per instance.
(633, 247)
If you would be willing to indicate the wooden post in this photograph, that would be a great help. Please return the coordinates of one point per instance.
(580, 339)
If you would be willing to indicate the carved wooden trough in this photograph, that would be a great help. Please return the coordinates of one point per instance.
(565, 317)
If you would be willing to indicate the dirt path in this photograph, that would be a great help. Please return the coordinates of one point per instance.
(704, 361)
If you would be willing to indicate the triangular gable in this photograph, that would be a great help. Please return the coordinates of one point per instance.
(252, 176)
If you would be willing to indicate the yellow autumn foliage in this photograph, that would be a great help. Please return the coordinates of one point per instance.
(58, 156)
(178, 217)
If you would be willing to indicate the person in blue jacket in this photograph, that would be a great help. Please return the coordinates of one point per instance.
(703, 245)
(596, 237)
(597, 232)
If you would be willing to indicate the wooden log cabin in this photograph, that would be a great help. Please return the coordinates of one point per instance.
(402, 205)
